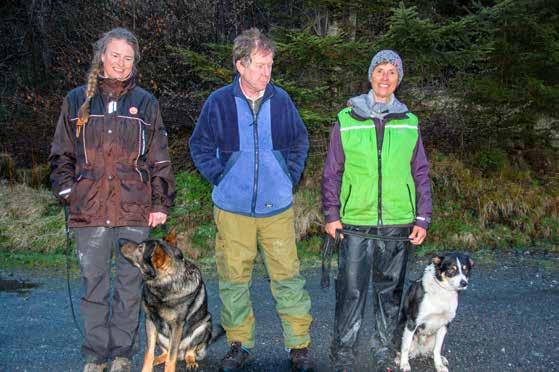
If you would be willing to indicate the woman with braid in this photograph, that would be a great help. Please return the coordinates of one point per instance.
(110, 166)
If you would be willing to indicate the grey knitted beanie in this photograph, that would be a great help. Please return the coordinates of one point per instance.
(390, 56)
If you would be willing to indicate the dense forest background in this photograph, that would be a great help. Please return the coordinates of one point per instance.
(483, 77)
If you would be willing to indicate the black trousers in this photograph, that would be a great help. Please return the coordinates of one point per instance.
(110, 325)
(359, 260)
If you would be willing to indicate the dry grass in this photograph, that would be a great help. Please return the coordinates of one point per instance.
(307, 202)
(31, 220)
(7, 167)
(307, 206)
(472, 209)
(37, 176)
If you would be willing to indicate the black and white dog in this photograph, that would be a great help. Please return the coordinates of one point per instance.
(429, 306)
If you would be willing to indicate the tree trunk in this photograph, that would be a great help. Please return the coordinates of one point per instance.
(39, 20)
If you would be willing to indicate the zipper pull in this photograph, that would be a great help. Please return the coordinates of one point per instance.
(112, 107)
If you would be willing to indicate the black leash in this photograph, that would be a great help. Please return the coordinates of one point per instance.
(332, 245)
(68, 249)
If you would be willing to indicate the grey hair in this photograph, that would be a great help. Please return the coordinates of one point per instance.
(248, 42)
(99, 47)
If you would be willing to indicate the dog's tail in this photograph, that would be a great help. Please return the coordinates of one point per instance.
(217, 332)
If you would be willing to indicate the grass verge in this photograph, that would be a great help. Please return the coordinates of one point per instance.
(474, 210)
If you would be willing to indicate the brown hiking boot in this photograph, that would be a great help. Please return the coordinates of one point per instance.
(235, 358)
(301, 360)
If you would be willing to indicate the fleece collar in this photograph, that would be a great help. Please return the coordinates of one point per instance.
(237, 91)
(366, 107)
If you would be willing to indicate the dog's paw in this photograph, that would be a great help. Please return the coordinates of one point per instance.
(191, 366)
(441, 368)
(190, 359)
(445, 361)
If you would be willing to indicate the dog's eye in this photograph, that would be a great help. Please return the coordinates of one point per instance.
(451, 270)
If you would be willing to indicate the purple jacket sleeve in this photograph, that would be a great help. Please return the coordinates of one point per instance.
(420, 173)
(332, 176)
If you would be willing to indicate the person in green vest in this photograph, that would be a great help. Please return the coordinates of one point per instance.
(375, 183)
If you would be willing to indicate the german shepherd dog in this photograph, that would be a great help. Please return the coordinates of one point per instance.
(174, 301)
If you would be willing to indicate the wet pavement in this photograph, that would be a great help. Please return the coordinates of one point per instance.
(507, 320)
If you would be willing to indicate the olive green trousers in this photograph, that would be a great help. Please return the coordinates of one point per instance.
(237, 240)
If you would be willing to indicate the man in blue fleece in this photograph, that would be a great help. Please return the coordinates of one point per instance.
(251, 144)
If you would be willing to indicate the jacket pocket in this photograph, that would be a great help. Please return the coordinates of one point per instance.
(274, 186)
(283, 164)
(85, 196)
(133, 136)
(411, 200)
(228, 166)
(135, 190)
(234, 190)
(346, 201)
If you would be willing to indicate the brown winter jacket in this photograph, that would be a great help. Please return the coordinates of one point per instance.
(117, 171)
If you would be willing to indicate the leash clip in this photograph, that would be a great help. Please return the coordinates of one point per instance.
(329, 247)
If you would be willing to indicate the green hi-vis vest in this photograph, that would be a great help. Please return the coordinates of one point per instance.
(377, 184)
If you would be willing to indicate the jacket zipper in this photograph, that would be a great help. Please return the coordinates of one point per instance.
(379, 162)
(256, 150)
(256, 153)
(346, 200)
(255, 135)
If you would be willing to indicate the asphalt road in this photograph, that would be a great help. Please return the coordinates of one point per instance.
(507, 320)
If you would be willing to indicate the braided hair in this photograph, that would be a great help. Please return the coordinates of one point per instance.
(99, 48)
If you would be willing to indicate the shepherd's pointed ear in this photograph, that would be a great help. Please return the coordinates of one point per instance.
(437, 260)
(171, 237)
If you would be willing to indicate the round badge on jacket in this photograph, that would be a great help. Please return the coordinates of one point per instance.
(133, 110)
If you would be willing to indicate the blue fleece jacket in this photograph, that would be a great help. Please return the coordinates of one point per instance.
(253, 160)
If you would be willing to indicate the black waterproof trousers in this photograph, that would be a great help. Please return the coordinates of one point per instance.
(110, 325)
(359, 260)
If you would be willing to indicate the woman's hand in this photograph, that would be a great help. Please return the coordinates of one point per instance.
(331, 228)
(156, 218)
(417, 235)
